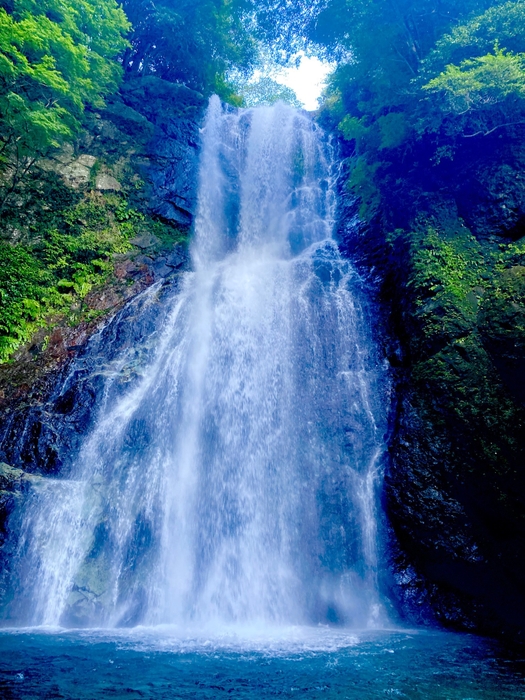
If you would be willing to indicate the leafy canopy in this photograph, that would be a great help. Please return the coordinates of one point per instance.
(414, 72)
(195, 43)
(481, 82)
(56, 57)
(267, 91)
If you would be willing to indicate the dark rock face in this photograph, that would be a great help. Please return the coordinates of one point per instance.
(452, 330)
(457, 537)
(175, 112)
(491, 194)
(174, 177)
(503, 330)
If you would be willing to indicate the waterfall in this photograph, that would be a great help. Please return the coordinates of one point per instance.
(232, 477)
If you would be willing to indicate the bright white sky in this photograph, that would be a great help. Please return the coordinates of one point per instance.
(307, 81)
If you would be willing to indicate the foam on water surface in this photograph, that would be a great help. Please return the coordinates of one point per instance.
(287, 663)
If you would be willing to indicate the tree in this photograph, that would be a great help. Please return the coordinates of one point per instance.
(194, 43)
(56, 58)
(417, 76)
(267, 91)
(480, 83)
(473, 79)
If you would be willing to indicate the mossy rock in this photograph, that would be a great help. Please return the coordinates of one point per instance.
(502, 324)
(10, 478)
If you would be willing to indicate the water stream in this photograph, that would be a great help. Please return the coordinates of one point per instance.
(235, 479)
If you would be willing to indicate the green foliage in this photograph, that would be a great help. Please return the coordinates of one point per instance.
(284, 26)
(188, 42)
(23, 288)
(412, 76)
(502, 318)
(502, 23)
(56, 57)
(446, 269)
(392, 129)
(267, 91)
(362, 183)
(445, 283)
(97, 229)
(465, 379)
(480, 83)
(476, 87)
(353, 129)
(60, 268)
(509, 255)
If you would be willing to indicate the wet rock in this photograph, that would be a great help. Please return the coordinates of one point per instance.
(144, 260)
(162, 271)
(176, 113)
(492, 201)
(178, 257)
(160, 100)
(160, 268)
(12, 479)
(455, 486)
(103, 301)
(125, 268)
(56, 345)
(128, 120)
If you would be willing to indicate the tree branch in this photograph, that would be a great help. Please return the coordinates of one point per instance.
(490, 131)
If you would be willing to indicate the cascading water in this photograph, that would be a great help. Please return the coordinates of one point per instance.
(234, 479)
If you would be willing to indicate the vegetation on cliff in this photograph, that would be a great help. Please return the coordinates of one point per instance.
(56, 59)
(65, 216)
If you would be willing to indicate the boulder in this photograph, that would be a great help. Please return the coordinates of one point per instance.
(107, 183)
(12, 479)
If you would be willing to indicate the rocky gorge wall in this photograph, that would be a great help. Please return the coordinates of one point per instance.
(445, 258)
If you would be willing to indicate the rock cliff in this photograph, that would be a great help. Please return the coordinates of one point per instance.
(448, 259)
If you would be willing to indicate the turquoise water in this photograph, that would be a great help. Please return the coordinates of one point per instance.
(296, 663)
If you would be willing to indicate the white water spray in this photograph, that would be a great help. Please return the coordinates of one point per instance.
(235, 481)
